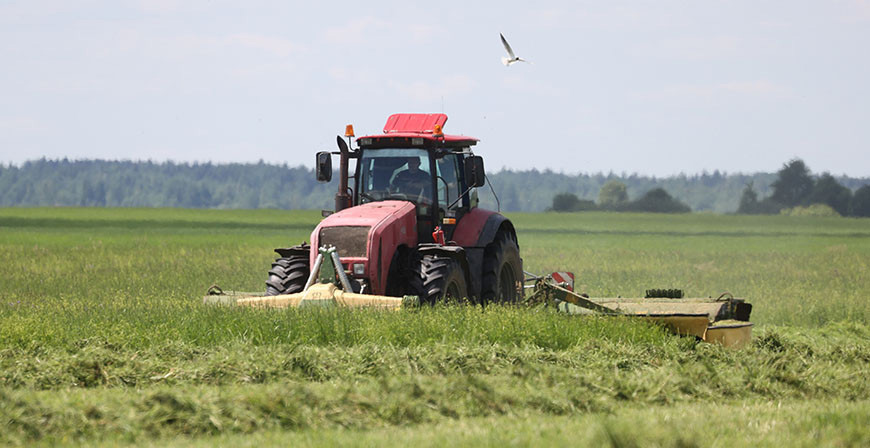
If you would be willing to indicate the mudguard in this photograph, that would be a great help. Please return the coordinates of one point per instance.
(455, 252)
(299, 249)
(494, 224)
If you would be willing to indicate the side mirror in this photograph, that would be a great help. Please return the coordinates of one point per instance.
(474, 175)
(324, 166)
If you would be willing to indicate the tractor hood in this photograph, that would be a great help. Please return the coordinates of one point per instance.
(369, 234)
(371, 214)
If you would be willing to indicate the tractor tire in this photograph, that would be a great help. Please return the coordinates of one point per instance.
(403, 277)
(288, 275)
(502, 271)
(442, 280)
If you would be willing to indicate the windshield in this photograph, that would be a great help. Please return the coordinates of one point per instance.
(402, 174)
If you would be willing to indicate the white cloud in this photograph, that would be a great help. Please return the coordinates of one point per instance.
(24, 11)
(158, 6)
(20, 125)
(184, 45)
(858, 11)
(692, 47)
(270, 44)
(756, 88)
(425, 32)
(760, 88)
(283, 73)
(366, 29)
(549, 18)
(425, 91)
(530, 85)
(358, 76)
(608, 16)
(357, 30)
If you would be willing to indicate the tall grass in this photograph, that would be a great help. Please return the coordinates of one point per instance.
(146, 325)
(75, 265)
(103, 333)
(796, 271)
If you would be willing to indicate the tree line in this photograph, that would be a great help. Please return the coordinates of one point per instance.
(100, 183)
(613, 196)
(796, 191)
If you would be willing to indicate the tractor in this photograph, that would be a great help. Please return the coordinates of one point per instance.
(408, 231)
(407, 222)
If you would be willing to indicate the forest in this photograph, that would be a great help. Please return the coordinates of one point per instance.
(795, 192)
(105, 183)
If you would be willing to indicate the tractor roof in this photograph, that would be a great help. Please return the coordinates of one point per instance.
(401, 129)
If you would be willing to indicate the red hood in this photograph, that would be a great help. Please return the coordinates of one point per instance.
(378, 217)
(369, 214)
(391, 224)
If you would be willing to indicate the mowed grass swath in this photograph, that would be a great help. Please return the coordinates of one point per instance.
(103, 336)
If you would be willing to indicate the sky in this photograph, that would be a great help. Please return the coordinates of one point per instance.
(649, 87)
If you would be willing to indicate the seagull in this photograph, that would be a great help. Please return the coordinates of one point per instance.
(512, 59)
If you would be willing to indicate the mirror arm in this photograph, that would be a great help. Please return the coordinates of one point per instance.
(497, 203)
(460, 197)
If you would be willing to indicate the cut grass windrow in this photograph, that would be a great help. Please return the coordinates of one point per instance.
(183, 390)
(727, 423)
(821, 362)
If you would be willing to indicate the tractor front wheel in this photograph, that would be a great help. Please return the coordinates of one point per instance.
(502, 271)
(288, 275)
(442, 278)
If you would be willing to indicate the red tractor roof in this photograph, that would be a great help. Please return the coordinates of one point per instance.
(407, 126)
(419, 123)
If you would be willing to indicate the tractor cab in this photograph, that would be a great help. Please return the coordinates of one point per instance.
(414, 161)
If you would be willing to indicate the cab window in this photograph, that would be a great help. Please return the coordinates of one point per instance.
(447, 169)
(395, 173)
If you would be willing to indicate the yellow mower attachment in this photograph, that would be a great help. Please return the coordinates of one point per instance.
(320, 294)
(724, 320)
(325, 292)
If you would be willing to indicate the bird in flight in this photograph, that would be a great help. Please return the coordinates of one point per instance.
(513, 58)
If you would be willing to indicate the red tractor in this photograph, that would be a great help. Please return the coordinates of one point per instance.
(408, 223)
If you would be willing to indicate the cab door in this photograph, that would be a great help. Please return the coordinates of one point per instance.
(449, 186)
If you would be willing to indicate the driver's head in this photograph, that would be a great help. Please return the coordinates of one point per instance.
(413, 163)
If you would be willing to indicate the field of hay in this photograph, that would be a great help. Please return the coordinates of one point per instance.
(104, 340)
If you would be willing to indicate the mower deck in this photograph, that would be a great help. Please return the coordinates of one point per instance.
(724, 320)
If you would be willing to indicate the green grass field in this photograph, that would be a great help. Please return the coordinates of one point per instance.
(104, 340)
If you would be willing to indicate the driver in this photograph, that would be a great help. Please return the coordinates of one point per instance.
(412, 181)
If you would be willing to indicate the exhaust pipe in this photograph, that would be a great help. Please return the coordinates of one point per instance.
(342, 198)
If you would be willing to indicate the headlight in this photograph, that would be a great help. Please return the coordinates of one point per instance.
(359, 269)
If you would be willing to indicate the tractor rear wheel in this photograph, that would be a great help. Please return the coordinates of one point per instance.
(288, 275)
(442, 279)
(502, 271)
